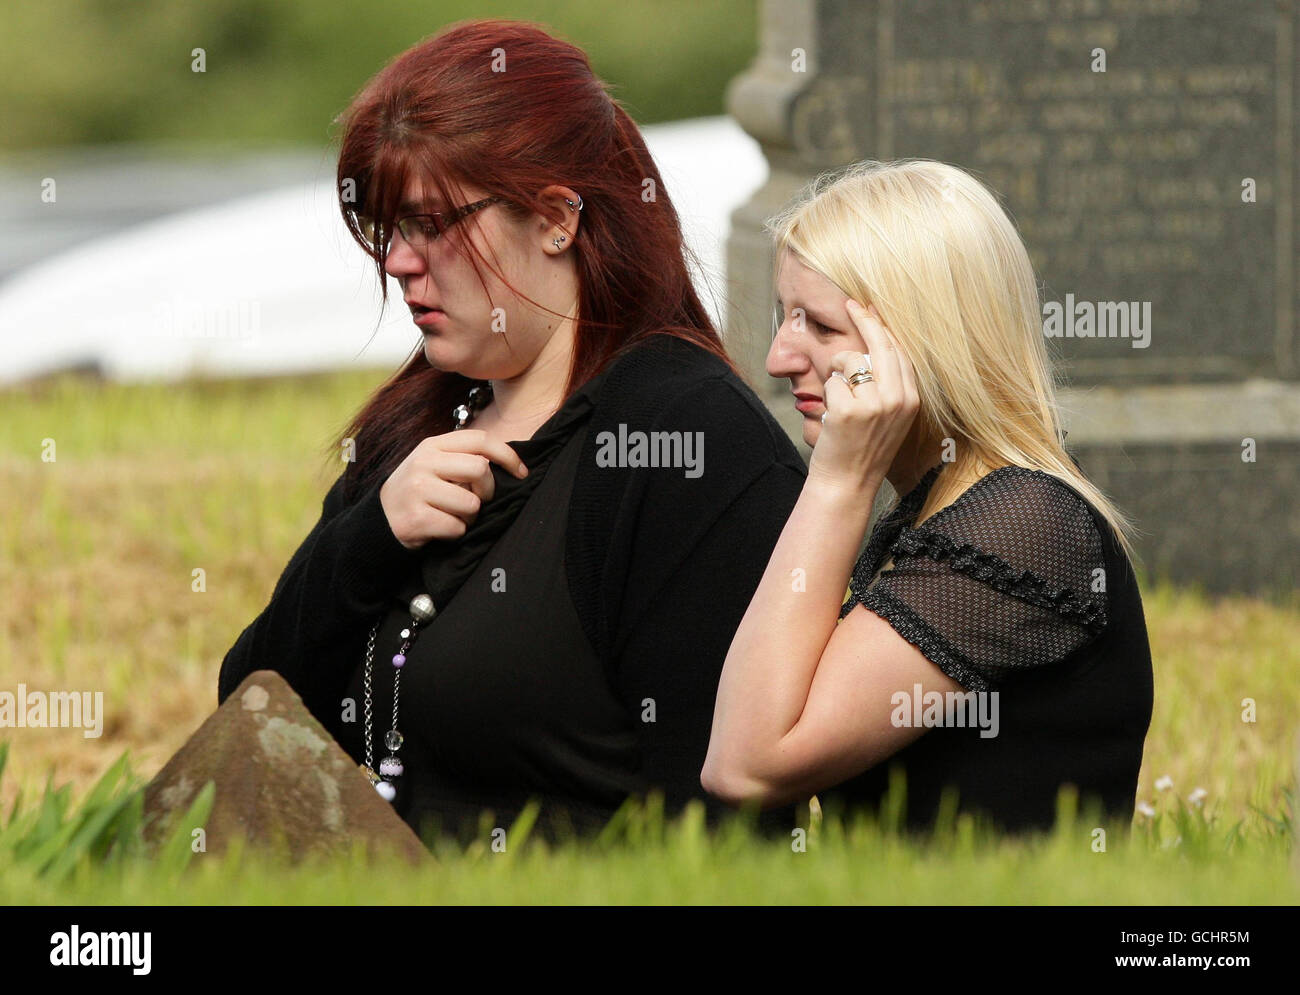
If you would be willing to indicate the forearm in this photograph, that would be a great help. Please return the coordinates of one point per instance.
(770, 666)
(334, 583)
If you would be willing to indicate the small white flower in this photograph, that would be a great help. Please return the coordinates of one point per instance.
(1145, 809)
(1164, 783)
(1197, 796)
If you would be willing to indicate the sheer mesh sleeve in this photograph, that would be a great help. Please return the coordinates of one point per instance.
(1009, 577)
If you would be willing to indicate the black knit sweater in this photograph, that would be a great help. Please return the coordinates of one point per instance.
(659, 565)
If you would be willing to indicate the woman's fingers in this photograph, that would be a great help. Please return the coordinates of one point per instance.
(862, 400)
(910, 395)
(438, 490)
(470, 440)
(884, 358)
(836, 394)
(894, 380)
(845, 365)
(470, 470)
(455, 500)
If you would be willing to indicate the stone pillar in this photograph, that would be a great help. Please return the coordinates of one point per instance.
(1146, 149)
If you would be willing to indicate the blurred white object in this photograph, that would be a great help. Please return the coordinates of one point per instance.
(272, 283)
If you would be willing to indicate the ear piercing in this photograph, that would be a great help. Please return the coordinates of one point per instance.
(558, 241)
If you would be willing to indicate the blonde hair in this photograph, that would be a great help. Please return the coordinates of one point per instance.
(930, 246)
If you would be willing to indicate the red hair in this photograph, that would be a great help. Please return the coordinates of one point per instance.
(440, 113)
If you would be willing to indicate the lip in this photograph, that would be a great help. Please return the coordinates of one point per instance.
(806, 403)
(429, 317)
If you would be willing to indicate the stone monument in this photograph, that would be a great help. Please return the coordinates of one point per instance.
(1146, 150)
(281, 782)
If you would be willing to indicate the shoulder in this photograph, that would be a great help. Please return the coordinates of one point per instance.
(1002, 580)
(1025, 532)
(1019, 508)
(664, 355)
(676, 444)
(670, 384)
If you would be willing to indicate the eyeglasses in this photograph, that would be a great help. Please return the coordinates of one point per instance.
(418, 229)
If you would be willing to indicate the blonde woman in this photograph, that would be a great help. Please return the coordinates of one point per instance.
(993, 644)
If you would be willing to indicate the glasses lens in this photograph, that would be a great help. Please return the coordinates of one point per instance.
(367, 227)
(420, 229)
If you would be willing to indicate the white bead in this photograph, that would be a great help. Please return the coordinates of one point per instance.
(422, 608)
(386, 790)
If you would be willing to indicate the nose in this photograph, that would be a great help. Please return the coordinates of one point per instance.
(402, 260)
(785, 358)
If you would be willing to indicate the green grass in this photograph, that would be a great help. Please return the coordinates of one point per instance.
(97, 553)
(93, 855)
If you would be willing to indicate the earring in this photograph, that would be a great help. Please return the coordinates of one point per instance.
(557, 241)
(570, 203)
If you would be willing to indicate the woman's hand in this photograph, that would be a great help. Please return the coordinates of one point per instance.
(864, 425)
(436, 492)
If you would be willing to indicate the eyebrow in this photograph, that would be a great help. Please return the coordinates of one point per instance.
(815, 316)
(413, 207)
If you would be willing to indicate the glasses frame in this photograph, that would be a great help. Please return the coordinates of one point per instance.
(415, 237)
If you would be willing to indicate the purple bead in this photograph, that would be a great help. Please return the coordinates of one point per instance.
(398, 660)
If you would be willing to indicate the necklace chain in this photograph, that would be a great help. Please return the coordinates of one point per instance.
(370, 654)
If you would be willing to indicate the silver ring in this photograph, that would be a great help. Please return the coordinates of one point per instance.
(823, 417)
(860, 377)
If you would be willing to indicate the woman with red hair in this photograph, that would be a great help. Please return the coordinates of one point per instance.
(524, 583)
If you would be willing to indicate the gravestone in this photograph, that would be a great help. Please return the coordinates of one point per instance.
(281, 781)
(1146, 150)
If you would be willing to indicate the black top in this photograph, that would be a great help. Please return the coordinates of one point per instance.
(583, 619)
(1018, 587)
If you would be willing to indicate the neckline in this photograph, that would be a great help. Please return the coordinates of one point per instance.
(574, 406)
(921, 488)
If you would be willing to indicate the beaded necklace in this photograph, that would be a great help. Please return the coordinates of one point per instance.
(422, 611)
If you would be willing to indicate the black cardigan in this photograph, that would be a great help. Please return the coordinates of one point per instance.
(660, 566)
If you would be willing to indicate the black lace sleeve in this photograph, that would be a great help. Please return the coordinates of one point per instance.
(1010, 576)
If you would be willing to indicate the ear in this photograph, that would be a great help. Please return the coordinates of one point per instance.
(557, 238)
